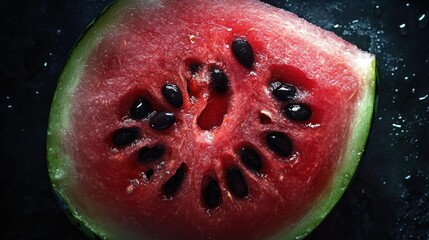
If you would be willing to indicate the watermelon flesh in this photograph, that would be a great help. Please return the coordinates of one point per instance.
(137, 47)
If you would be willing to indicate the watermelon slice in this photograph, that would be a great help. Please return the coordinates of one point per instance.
(196, 119)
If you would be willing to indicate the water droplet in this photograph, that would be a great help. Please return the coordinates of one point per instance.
(424, 97)
(403, 30)
(9, 106)
(378, 11)
(192, 38)
(58, 32)
(423, 20)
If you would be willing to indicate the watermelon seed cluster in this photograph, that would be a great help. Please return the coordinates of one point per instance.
(142, 109)
(278, 142)
(286, 93)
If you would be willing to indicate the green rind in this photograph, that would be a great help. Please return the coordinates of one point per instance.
(60, 167)
(59, 162)
(360, 129)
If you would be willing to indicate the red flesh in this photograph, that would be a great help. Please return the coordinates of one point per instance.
(139, 59)
(214, 112)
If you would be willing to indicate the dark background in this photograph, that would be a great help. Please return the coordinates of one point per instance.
(388, 198)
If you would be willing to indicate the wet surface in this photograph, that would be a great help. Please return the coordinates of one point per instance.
(389, 196)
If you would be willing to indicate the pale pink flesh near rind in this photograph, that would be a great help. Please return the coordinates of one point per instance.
(360, 65)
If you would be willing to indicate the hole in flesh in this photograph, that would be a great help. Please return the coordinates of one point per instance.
(212, 115)
(217, 104)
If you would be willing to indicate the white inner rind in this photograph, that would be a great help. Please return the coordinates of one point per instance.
(61, 169)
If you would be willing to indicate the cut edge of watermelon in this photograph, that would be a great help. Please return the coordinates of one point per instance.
(360, 129)
(59, 163)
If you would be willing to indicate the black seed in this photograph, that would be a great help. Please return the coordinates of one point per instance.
(162, 120)
(173, 184)
(279, 143)
(283, 91)
(243, 52)
(236, 183)
(151, 154)
(297, 112)
(140, 109)
(250, 158)
(149, 173)
(125, 136)
(173, 95)
(195, 68)
(211, 193)
(219, 81)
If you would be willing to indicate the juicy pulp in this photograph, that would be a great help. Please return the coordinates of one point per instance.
(135, 48)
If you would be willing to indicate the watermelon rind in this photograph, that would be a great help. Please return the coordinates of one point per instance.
(60, 163)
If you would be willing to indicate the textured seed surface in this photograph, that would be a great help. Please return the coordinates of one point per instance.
(236, 182)
(283, 92)
(140, 109)
(151, 154)
(162, 120)
(243, 52)
(279, 143)
(218, 81)
(297, 112)
(125, 136)
(211, 193)
(174, 183)
(173, 95)
(250, 158)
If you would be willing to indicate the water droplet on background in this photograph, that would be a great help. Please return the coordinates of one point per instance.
(423, 20)
(378, 11)
(58, 31)
(403, 29)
